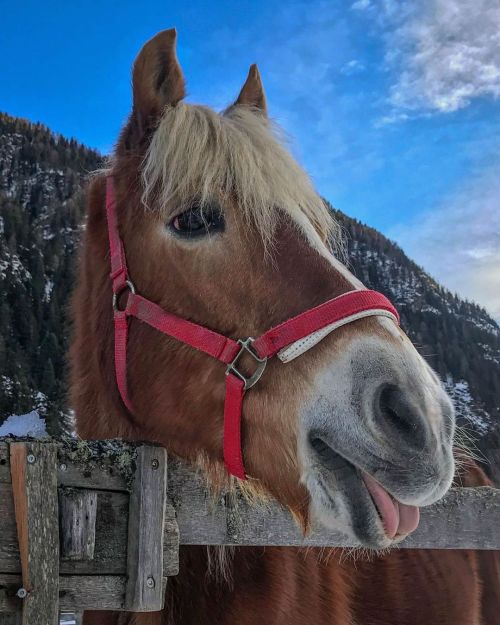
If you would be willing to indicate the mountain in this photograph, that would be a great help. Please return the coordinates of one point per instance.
(41, 212)
(41, 216)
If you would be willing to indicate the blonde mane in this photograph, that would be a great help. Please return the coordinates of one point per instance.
(198, 153)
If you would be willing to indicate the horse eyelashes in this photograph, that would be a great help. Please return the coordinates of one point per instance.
(198, 221)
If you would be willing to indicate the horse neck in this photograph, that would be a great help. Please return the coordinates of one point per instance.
(239, 585)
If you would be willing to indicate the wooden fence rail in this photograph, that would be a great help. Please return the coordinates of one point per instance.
(98, 525)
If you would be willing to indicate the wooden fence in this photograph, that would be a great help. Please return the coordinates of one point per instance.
(98, 525)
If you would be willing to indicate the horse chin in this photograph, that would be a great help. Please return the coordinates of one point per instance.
(346, 499)
(341, 502)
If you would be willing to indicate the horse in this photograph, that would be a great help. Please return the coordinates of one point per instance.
(220, 227)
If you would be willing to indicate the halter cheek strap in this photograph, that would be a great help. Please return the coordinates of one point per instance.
(288, 340)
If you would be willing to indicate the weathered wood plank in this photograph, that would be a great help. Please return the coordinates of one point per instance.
(200, 515)
(9, 585)
(146, 522)
(100, 465)
(9, 548)
(34, 488)
(77, 516)
(99, 477)
(11, 618)
(170, 542)
(4, 463)
(110, 550)
(82, 592)
(76, 593)
(467, 518)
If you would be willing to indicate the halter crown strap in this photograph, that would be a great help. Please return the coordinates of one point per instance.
(287, 340)
(119, 273)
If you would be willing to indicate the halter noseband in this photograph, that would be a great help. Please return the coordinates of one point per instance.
(286, 340)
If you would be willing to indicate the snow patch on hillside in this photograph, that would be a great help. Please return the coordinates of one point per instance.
(490, 354)
(11, 264)
(465, 407)
(30, 424)
(49, 285)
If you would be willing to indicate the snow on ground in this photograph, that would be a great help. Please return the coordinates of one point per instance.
(30, 424)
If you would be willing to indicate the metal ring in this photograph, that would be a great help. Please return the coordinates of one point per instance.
(129, 285)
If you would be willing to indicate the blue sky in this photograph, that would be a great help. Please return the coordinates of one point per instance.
(391, 105)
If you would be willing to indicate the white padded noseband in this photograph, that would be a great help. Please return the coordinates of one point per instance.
(302, 345)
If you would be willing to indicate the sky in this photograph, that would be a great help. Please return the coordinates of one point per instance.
(392, 106)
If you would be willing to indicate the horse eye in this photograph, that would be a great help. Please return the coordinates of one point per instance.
(198, 221)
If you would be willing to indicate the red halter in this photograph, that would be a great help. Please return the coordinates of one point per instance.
(297, 335)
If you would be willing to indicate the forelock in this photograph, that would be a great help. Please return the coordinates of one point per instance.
(198, 153)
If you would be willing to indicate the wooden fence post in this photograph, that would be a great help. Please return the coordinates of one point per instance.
(34, 486)
(144, 591)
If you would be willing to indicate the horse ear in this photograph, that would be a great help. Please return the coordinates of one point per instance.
(252, 92)
(157, 77)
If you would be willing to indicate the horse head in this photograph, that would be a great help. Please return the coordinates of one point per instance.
(223, 228)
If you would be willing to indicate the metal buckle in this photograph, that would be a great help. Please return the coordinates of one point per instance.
(129, 285)
(261, 364)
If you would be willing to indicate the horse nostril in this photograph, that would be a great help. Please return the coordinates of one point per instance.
(398, 415)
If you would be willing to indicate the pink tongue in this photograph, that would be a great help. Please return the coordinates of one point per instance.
(398, 518)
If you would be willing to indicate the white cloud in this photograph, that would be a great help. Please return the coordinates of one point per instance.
(361, 5)
(301, 56)
(446, 52)
(391, 118)
(459, 242)
(352, 67)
